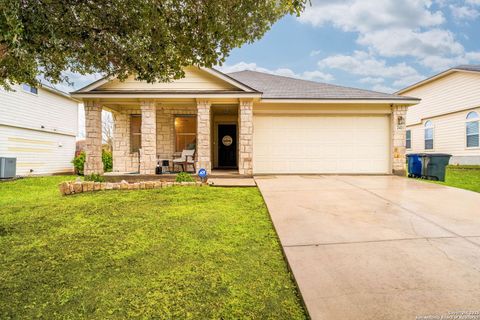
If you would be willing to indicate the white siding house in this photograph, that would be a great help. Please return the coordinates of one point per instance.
(447, 118)
(38, 126)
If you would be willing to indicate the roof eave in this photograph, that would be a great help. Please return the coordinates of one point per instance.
(159, 95)
(403, 101)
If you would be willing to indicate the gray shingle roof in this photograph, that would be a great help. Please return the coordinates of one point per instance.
(468, 67)
(280, 87)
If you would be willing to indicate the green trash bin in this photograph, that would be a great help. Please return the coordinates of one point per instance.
(434, 165)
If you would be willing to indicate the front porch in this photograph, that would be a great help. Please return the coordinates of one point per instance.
(148, 132)
(137, 177)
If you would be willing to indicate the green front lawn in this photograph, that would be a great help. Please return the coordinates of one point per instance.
(464, 177)
(174, 253)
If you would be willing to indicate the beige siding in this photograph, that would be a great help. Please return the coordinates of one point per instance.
(195, 79)
(454, 92)
(449, 135)
(287, 108)
(26, 110)
(37, 152)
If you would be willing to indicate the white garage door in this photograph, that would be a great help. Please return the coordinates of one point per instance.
(321, 144)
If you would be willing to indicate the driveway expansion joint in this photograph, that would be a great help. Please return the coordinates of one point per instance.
(365, 241)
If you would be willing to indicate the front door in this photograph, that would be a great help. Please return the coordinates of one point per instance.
(227, 145)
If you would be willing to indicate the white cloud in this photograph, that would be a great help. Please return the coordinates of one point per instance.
(474, 2)
(363, 64)
(464, 12)
(406, 42)
(372, 80)
(383, 88)
(389, 28)
(307, 75)
(366, 15)
(374, 71)
(439, 63)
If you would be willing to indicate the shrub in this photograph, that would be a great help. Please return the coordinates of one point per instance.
(79, 162)
(184, 177)
(94, 177)
(107, 160)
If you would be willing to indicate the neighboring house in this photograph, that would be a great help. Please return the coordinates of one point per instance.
(447, 118)
(255, 122)
(38, 126)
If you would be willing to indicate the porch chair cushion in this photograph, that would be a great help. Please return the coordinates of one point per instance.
(187, 158)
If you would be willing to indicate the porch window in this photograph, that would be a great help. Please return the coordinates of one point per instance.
(185, 132)
(135, 132)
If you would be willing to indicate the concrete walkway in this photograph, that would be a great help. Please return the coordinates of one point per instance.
(378, 247)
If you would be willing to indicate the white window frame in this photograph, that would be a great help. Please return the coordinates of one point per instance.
(475, 119)
(28, 89)
(406, 139)
(425, 127)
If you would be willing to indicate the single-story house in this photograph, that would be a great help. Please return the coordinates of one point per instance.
(38, 126)
(255, 122)
(447, 118)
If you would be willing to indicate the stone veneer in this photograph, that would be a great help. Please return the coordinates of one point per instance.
(123, 159)
(245, 148)
(398, 139)
(148, 151)
(203, 135)
(75, 187)
(126, 161)
(93, 138)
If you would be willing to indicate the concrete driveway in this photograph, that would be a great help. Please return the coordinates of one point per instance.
(378, 247)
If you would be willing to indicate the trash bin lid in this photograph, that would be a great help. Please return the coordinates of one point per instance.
(416, 154)
(437, 155)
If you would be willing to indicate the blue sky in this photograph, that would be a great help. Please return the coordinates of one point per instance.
(382, 45)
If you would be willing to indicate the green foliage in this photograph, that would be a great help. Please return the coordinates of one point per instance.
(94, 177)
(464, 177)
(465, 167)
(172, 253)
(107, 160)
(152, 39)
(79, 163)
(184, 177)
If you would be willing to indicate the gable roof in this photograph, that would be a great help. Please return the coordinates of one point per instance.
(52, 89)
(280, 87)
(459, 68)
(94, 86)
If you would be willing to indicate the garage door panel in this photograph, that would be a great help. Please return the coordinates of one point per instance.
(321, 144)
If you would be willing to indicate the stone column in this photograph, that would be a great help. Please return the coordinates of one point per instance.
(148, 151)
(203, 136)
(93, 138)
(398, 139)
(245, 147)
(121, 139)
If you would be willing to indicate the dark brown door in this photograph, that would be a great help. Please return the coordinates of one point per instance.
(227, 145)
